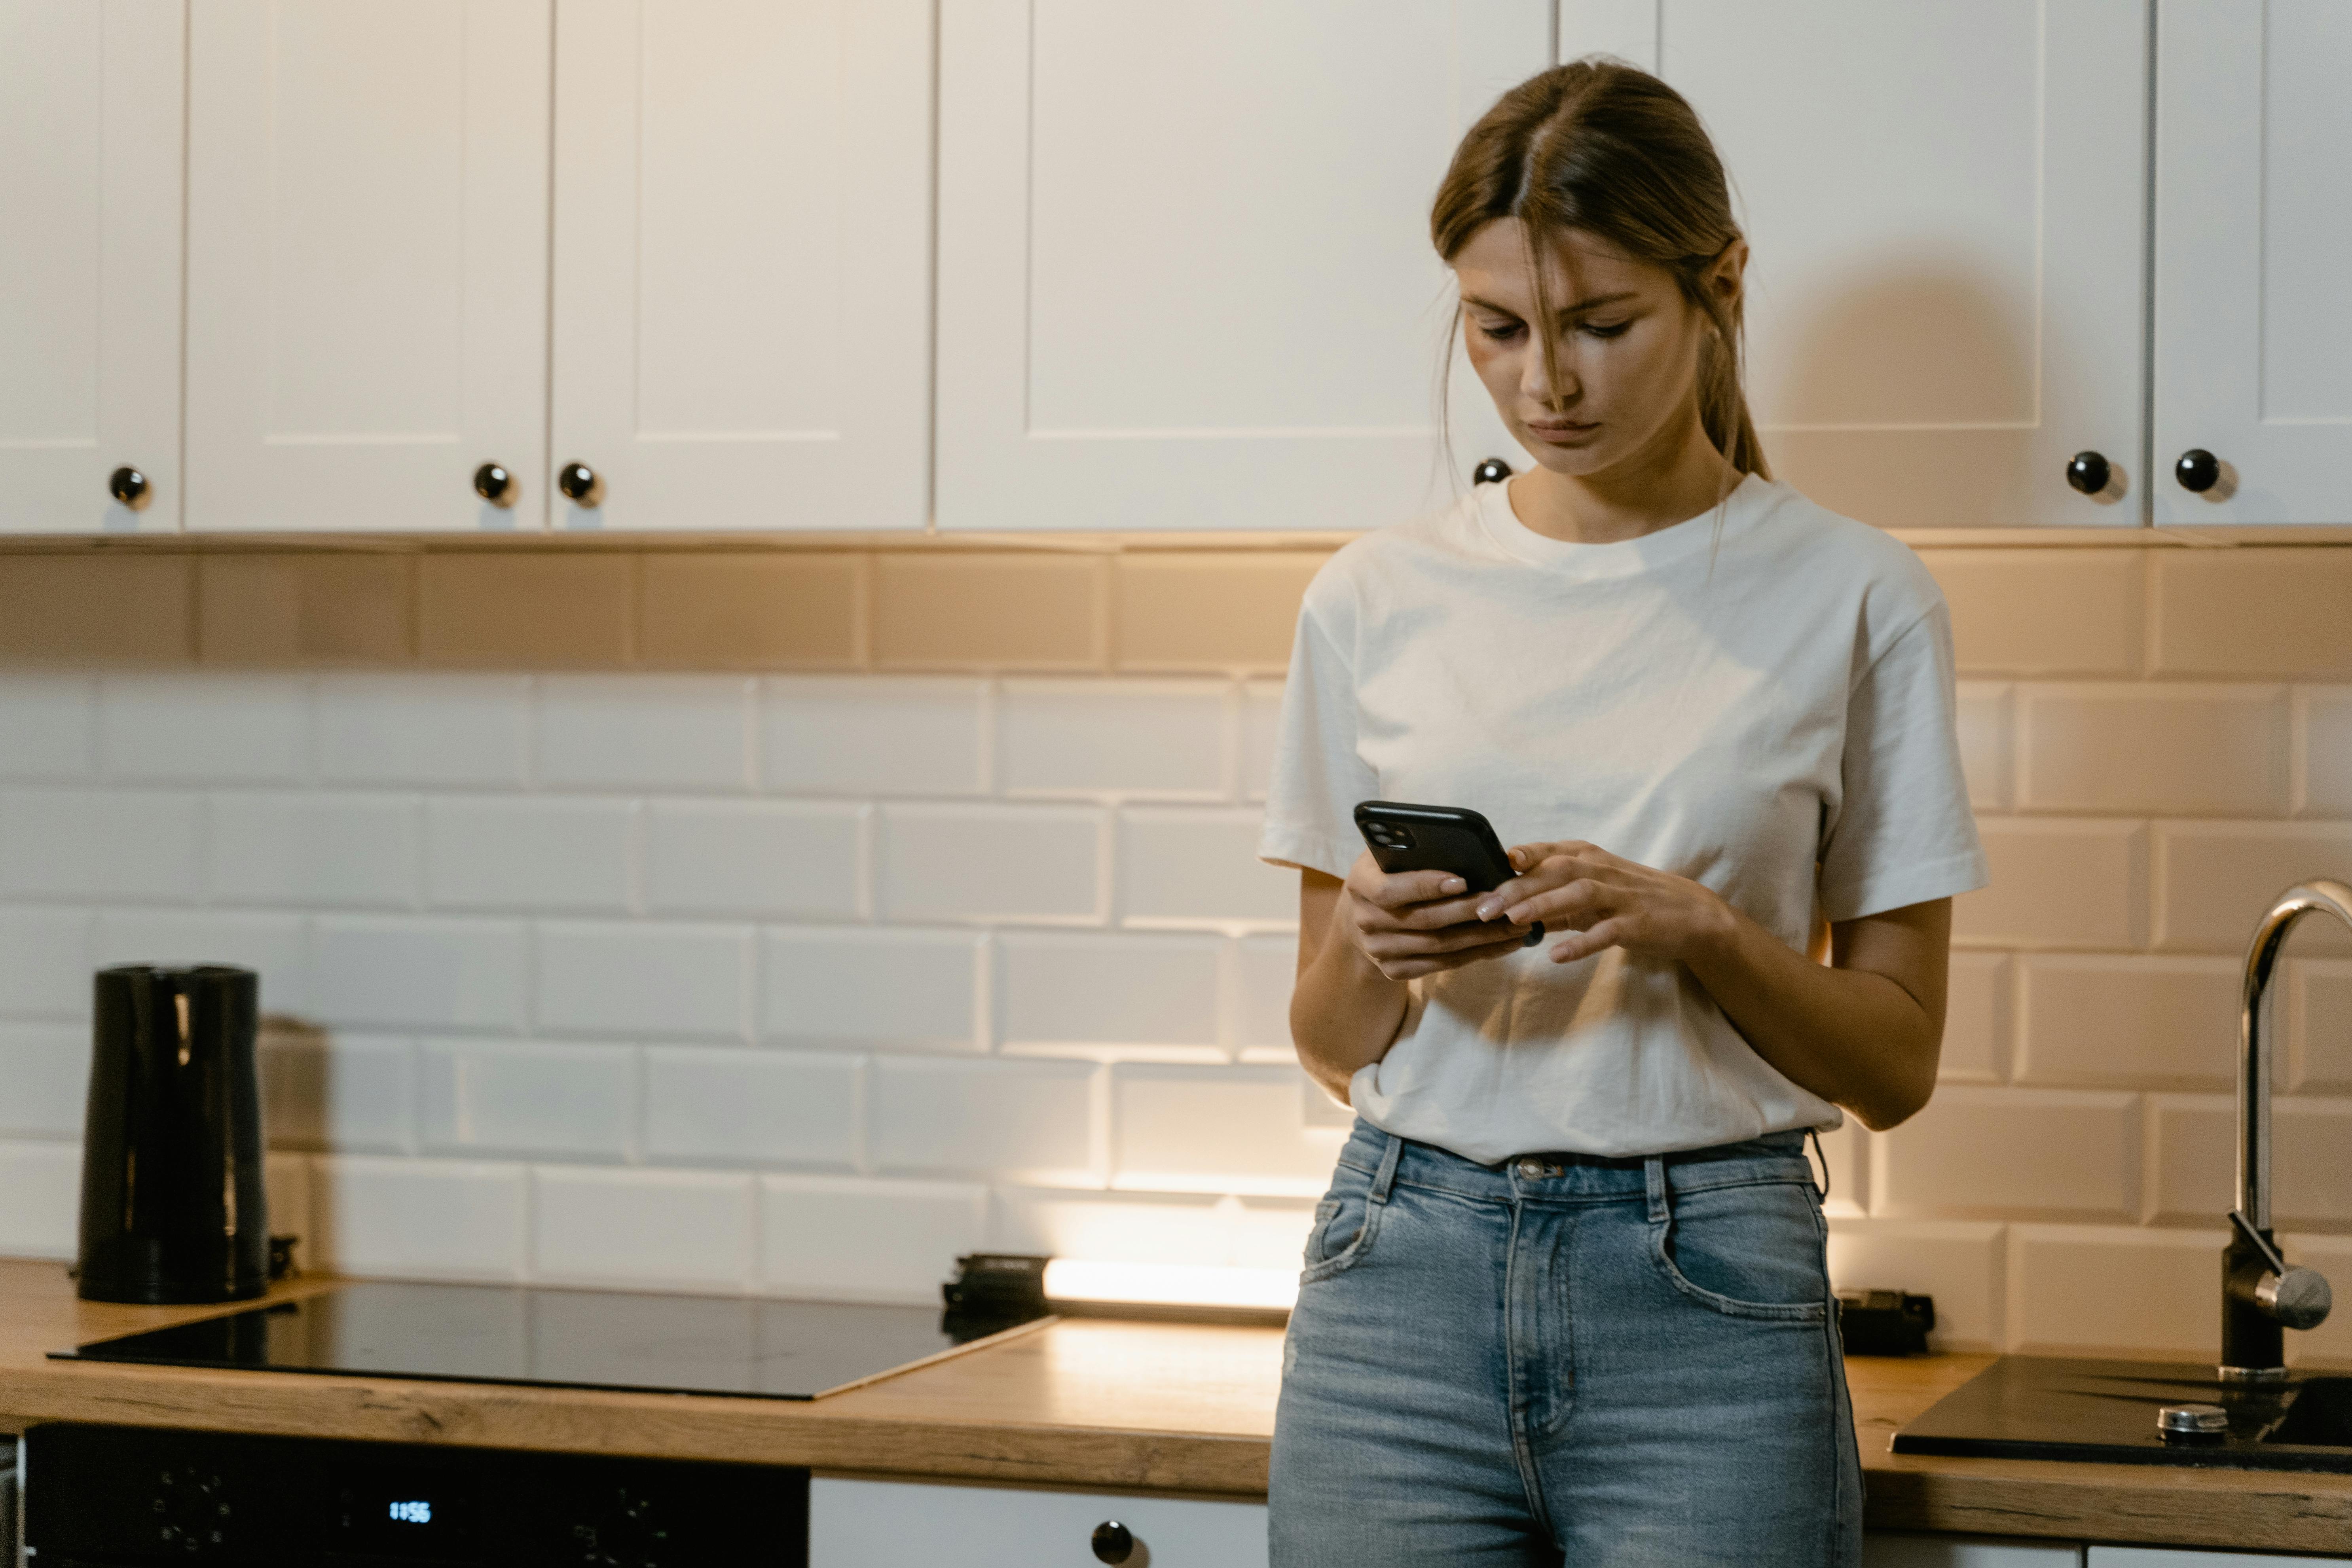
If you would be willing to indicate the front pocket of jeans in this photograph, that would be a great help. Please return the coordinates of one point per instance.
(1345, 1225)
(1752, 1251)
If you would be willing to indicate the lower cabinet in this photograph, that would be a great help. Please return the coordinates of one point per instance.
(893, 1524)
(2179, 1557)
(1965, 1552)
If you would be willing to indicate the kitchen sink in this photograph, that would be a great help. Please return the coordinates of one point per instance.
(2054, 1407)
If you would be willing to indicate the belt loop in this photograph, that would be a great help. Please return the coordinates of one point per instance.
(1653, 1177)
(1386, 1176)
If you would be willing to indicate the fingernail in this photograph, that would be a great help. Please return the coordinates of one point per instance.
(1453, 885)
(1489, 910)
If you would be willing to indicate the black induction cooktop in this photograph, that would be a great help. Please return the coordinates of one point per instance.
(2055, 1407)
(568, 1339)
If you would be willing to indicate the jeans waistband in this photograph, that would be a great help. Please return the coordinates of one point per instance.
(1568, 1173)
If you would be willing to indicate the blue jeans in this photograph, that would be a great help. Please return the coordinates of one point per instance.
(1566, 1361)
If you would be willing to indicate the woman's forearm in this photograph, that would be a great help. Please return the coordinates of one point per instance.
(1854, 1035)
(1344, 1012)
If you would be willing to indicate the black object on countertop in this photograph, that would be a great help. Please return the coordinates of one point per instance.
(173, 1207)
(1884, 1322)
(2055, 1407)
(107, 1496)
(992, 1291)
(567, 1339)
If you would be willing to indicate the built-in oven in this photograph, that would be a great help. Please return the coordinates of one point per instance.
(128, 1496)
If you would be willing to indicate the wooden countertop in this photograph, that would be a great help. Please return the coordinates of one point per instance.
(1089, 1404)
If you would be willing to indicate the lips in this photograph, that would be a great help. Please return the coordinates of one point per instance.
(1562, 432)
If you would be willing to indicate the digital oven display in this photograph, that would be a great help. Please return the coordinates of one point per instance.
(410, 1516)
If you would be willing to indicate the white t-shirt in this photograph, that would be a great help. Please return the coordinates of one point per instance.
(1768, 712)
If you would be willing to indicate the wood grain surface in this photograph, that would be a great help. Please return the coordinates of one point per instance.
(1136, 1407)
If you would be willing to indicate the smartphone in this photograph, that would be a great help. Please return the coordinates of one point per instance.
(1404, 838)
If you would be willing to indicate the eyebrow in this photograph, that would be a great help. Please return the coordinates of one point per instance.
(1594, 303)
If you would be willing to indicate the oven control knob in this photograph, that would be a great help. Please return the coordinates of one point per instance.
(628, 1535)
(191, 1512)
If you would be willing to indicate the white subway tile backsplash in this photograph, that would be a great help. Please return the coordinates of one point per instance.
(2099, 1020)
(991, 862)
(1261, 972)
(1986, 755)
(2092, 1288)
(868, 736)
(1159, 739)
(269, 944)
(49, 726)
(44, 963)
(1102, 988)
(1199, 867)
(350, 1093)
(762, 1107)
(2191, 751)
(416, 1219)
(680, 1228)
(908, 988)
(682, 981)
(100, 844)
(435, 973)
(2195, 1138)
(286, 1189)
(846, 1238)
(1020, 1120)
(1989, 1153)
(453, 729)
(2214, 879)
(43, 1181)
(330, 849)
(229, 727)
(1125, 1228)
(772, 859)
(1222, 1130)
(2316, 1011)
(534, 852)
(44, 1079)
(527, 1097)
(650, 732)
(2323, 750)
(2058, 883)
(1958, 1262)
(1261, 726)
(1976, 1018)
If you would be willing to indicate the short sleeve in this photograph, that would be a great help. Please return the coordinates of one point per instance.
(1903, 833)
(1318, 775)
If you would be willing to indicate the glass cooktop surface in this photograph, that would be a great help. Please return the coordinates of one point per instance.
(569, 1339)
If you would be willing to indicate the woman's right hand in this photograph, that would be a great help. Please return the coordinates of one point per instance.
(1412, 923)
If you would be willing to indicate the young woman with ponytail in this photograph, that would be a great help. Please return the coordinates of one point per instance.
(1565, 1302)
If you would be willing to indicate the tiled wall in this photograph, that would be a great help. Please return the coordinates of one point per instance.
(803, 981)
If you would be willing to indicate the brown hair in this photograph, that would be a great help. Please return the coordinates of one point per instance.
(1599, 146)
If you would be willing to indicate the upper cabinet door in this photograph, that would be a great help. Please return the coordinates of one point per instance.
(367, 262)
(90, 253)
(742, 262)
(2254, 261)
(1946, 204)
(1184, 274)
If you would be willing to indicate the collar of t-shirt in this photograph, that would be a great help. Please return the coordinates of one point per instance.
(1626, 557)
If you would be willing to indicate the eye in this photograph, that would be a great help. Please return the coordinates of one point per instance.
(1606, 329)
(1498, 332)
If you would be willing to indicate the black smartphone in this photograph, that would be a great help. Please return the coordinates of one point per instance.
(1405, 837)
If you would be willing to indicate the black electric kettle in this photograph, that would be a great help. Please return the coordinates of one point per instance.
(173, 1206)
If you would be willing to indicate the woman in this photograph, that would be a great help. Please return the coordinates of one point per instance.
(1566, 1300)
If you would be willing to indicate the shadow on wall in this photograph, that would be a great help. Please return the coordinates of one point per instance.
(1908, 400)
(298, 1072)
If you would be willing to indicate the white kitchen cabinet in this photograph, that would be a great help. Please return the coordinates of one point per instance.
(742, 261)
(367, 262)
(2253, 244)
(90, 262)
(1946, 201)
(1965, 1552)
(893, 1524)
(1184, 271)
(2179, 1557)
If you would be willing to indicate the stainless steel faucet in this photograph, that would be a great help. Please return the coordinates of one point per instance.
(2261, 1294)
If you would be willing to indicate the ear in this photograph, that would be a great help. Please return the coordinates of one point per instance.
(1724, 274)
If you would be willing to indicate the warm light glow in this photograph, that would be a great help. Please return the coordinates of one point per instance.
(1170, 1284)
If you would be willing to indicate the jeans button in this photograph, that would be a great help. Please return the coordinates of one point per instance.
(1531, 1168)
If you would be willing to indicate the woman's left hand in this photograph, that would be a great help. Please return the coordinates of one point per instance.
(1606, 900)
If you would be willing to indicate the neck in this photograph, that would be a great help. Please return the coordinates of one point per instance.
(1673, 478)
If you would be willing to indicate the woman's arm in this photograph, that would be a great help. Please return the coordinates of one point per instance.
(1359, 943)
(1863, 1032)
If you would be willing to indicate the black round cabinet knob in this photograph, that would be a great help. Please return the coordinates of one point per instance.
(1493, 471)
(128, 486)
(2088, 472)
(579, 481)
(494, 484)
(1113, 1542)
(2198, 470)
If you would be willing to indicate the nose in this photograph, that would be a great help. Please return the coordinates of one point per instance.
(1535, 377)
